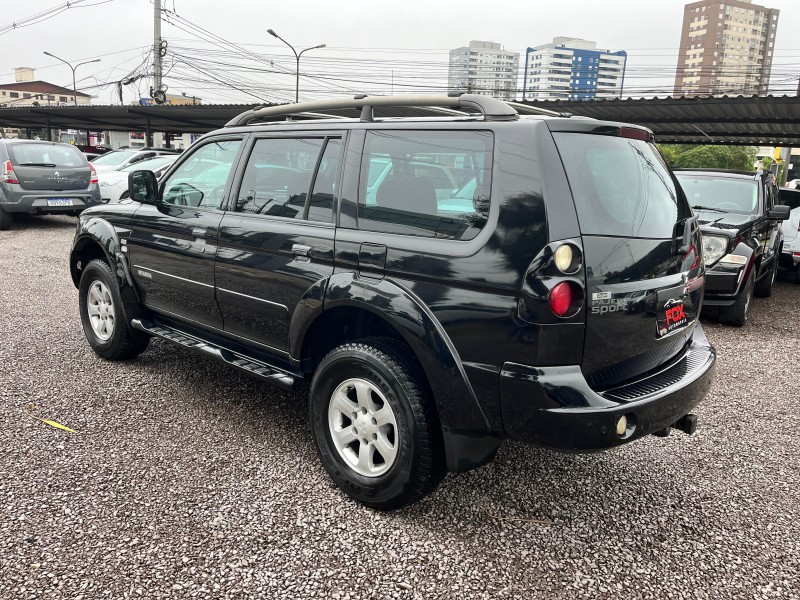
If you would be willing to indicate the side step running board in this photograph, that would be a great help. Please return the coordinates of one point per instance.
(260, 369)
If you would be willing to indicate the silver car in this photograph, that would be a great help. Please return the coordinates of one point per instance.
(40, 177)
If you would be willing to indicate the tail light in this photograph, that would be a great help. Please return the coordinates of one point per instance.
(8, 173)
(561, 299)
(93, 176)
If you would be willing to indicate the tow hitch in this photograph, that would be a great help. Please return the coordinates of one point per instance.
(687, 424)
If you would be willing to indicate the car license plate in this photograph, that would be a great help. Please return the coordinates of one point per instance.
(59, 202)
(672, 315)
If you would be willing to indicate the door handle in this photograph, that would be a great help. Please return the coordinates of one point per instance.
(301, 250)
(199, 232)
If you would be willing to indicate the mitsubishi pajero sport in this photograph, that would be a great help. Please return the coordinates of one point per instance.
(445, 272)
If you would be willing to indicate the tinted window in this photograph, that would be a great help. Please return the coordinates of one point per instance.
(621, 186)
(727, 194)
(278, 176)
(45, 155)
(200, 180)
(426, 183)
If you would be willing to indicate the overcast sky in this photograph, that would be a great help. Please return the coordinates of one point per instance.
(372, 46)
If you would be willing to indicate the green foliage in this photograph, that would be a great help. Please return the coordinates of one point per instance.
(708, 157)
(767, 161)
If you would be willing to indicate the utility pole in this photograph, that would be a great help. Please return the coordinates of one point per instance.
(157, 74)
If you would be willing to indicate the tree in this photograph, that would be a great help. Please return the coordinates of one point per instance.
(709, 157)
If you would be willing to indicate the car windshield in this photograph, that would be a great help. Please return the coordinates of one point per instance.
(725, 194)
(45, 155)
(114, 158)
(152, 164)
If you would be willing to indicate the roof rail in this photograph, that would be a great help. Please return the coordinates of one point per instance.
(523, 108)
(491, 108)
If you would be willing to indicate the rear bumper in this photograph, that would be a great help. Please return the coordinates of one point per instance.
(788, 260)
(556, 408)
(36, 203)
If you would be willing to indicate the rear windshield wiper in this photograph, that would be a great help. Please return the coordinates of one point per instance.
(37, 165)
(707, 208)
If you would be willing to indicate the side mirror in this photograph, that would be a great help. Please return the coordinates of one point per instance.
(143, 186)
(779, 212)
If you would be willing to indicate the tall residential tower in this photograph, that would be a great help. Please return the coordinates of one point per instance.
(484, 68)
(573, 69)
(726, 48)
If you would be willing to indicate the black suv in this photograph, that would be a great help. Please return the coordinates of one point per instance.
(739, 216)
(444, 280)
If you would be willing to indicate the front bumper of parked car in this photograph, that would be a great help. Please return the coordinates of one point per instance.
(556, 408)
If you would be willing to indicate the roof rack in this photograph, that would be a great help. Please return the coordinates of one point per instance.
(492, 109)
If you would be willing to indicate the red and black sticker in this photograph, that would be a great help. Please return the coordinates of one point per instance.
(672, 316)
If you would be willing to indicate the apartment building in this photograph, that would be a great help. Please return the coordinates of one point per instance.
(726, 48)
(573, 69)
(484, 68)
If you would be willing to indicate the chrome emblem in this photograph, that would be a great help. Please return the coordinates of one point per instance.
(57, 174)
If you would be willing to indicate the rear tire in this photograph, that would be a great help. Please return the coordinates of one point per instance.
(5, 220)
(736, 314)
(763, 288)
(374, 423)
(102, 316)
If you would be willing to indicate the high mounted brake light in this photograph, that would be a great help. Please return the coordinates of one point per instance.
(635, 133)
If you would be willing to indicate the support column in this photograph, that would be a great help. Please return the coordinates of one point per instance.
(47, 127)
(148, 133)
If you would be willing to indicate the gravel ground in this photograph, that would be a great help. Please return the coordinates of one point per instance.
(187, 479)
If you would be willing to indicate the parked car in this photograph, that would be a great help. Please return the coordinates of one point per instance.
(740, 219)
(44, 178)
(119, 159)
(114, 184)
(790, 228)
(558, 305)
(792, 184)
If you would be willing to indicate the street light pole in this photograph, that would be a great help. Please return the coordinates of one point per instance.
(74, 84)
(297, 57)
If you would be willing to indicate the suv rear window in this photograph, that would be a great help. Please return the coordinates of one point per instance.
(45, 155)
(621, 186)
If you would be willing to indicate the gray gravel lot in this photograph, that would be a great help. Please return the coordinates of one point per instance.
(190, 480)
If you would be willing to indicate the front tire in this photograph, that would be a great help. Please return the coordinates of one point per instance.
(763, 288)
(374, 424)
(736, 314)
(102, 316)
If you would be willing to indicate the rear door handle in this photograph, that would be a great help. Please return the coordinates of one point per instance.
(301, 250)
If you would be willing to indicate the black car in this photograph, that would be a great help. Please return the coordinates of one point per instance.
(443, 281)
(740, 219)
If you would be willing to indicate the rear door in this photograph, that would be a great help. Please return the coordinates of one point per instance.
(643, 294)
(47, 166)
(173, 243)
(276, 243)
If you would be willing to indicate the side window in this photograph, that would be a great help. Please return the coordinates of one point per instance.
(278, 176)
(320, 206)
(426, 183)
(200, 180)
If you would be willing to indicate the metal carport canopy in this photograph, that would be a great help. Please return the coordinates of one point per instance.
(767, 121)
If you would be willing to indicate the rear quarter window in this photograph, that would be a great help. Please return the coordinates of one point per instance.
(621, 186)
(48, 155)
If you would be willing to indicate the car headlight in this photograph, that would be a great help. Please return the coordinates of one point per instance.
(714, 248)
